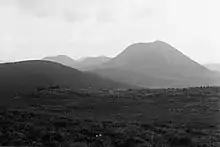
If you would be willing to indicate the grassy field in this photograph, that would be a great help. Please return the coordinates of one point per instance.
(113, 118)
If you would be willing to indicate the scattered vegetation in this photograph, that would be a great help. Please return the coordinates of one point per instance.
(56, 117)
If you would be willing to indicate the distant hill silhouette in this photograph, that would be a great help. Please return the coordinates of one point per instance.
(155, 64)
(90, 63)
(213, 66)
(87, 63)
(62, 59)
(26, 76)
(94, 60)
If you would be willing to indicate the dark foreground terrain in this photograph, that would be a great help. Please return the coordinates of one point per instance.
(56, 117)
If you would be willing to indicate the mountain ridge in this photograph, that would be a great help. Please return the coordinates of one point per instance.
(62, 59)
(213, 66)
(153, 64)
(83, 64)
(26, 76)
(158, 61)
(153, 52)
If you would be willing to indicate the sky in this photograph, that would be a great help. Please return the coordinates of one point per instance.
(33, 29)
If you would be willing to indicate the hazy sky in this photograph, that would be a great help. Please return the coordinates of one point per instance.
(32, 29)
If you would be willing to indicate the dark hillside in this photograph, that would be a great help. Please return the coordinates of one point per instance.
(28, 75)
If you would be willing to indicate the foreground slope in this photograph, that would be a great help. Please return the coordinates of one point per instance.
(156, 64)
(26, 76)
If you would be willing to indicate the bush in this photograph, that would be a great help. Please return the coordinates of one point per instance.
(181, 141)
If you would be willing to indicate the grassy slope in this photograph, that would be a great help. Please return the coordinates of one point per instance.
(26, 76)
(130, 119)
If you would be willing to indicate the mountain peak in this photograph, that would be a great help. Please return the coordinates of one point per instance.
(158, 46)
(156, 56)
(102, 57)
(59, 57)
(154, 42)
(155, 64)
(63, 59)
(159, 41)
(63, 56)
(157, 49)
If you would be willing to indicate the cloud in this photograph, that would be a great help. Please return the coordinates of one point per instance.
(78, 10)
(69, 10)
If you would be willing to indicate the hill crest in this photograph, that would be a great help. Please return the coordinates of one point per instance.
(155, 64)
(26, 76)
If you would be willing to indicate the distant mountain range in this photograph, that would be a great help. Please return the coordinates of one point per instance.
(156, 58)
(148, 65)
(90, 63)
(155, 64)
(83, 64)
(213, 66)
(26, 76)
(62, 59)
(152, 65)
